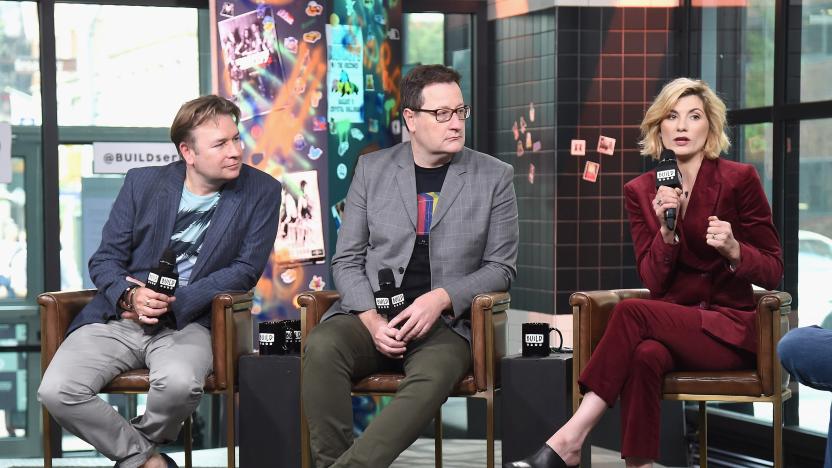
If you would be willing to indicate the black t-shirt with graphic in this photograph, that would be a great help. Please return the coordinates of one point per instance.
(416, 279)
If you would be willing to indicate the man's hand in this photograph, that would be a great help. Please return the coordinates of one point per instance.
(147, 304)
(383, 335)
(421, 315)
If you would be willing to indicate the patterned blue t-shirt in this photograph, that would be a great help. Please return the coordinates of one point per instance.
(192, 220)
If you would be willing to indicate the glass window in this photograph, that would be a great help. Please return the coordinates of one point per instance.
(734, 47)
(85, 202)
(815, 235)
(814, 255)
(752, 144)
(424, 39)
(124, 66)
(13, 383)
(810, 50)
(13, 270)
(19, 63)
(439, 38)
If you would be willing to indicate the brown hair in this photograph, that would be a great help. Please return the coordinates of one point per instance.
(651, 140)
(194, 113)
(423, 75)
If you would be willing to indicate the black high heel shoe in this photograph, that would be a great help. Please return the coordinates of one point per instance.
(545, 457)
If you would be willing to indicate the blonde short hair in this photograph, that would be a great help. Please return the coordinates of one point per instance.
(194, 113)
(651, 139)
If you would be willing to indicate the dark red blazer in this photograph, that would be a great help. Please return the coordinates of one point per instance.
(693, 273)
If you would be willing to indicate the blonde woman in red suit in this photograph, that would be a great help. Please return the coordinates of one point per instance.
(701, 312)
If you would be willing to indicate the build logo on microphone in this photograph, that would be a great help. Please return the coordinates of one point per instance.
(667, 174)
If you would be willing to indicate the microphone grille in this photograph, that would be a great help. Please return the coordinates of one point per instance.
(668, 154)
(168, 258)
(385, 276)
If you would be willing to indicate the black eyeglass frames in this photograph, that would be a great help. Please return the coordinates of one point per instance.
(444, 115)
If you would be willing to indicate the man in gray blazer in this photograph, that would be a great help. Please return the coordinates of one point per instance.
(443, 218)
(219, 217)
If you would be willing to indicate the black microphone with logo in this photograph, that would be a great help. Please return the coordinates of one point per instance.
(163, 279)
(668, 175)
(389, 298)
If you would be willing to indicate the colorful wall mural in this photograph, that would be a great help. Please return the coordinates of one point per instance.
(318, 84)
(375, 26)
(270, 58)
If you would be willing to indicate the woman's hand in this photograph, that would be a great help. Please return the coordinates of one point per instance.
(666, 198)
(720, 236)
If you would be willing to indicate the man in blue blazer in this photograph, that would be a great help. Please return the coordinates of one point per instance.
(219, 217)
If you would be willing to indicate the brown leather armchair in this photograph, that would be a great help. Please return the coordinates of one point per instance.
(766, 383)
(488, 322)
(231, 338)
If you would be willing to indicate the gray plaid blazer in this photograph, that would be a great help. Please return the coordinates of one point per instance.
(473, 238)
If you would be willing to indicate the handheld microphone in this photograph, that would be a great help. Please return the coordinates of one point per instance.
(668, 175)
(389, 298)
(163, 279)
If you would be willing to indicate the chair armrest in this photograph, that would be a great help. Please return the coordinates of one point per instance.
(313, 305)
(488, 325)
(57, 310)
(773, 309)
(590, 313)
(231, 334)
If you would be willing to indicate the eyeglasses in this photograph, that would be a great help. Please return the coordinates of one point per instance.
(444, 115)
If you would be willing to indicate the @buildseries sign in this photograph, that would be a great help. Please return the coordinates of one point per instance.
(118, 158)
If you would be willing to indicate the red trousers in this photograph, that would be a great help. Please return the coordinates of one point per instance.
(644, 340)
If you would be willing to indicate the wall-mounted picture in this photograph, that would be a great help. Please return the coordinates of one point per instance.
(250, 52)
(300, 235)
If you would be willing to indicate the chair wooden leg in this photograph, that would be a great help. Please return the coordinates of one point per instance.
(437, 437)
(489, 430)
(229, 426)
(777, 424)
(47, 439)
(187, 437)
(703, 434)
